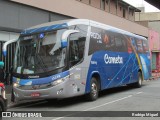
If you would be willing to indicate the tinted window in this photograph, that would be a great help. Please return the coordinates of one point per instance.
(106, 40)
(139, 46)
(95, 40)
(77, 45)
(129, 47)
(100, 40)
(145, 46)
(120, 44)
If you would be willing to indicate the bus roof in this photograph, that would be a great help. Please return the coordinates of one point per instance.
(65, 23)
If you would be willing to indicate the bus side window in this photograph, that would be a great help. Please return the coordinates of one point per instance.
(107, 41)
(139, 46)
(129, 45)
(134, 43)
(120, 44)
(76, 48)
(95, 40)
(145, 46)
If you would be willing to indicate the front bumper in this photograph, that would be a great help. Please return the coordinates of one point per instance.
(63, 90)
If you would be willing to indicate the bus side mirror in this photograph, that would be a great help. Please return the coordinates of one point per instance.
(64, 42)
(1, 64)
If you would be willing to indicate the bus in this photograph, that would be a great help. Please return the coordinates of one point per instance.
(76, 57)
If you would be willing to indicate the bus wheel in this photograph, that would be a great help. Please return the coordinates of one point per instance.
(139, 83)
(93, 95)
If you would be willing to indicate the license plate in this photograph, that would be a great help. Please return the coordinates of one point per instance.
(35, 94)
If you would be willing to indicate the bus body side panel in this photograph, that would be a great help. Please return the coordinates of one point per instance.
(78, 78)
(122, 69)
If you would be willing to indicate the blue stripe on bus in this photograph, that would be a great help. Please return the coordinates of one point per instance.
(39, 81)
(44, 29)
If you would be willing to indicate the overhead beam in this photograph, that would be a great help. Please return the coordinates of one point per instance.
(155, 3)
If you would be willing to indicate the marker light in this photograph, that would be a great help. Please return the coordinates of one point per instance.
(15, 84)
(41, 35)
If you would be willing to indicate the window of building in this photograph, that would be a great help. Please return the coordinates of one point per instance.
(124, 13)
(103, 4)
(120, 8)
(107, 2)
(132, 12)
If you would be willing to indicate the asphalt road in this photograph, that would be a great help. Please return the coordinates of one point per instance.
(123, 99)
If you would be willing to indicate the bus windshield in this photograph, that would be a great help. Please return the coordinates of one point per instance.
(39, 53)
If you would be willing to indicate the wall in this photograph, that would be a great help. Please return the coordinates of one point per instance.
(155, 25)
(113, 9)
(120, 10)
(5, 36)
(17, 16)
(154, 41)
(96, 3)
(151, 16)
(154, 44)
(77, 9)
(85, 1)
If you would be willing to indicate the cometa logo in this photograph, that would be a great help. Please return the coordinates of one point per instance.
(113, 60)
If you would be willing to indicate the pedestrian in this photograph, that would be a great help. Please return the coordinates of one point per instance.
(2, 74)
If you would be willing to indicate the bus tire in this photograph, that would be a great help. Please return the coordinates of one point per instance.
(138, 84)
(93, 95)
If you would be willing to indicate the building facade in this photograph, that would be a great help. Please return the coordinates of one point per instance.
(152, 21)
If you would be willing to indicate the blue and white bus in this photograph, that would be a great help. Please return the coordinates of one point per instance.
(75, 57)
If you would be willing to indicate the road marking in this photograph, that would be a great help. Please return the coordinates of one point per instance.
(96, 107)
(100, 105)
(138, 93)
(129, 96)
(108, 103)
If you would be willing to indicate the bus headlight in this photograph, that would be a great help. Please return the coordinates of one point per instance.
(59, 81)
(56, 82)
(16, 84)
